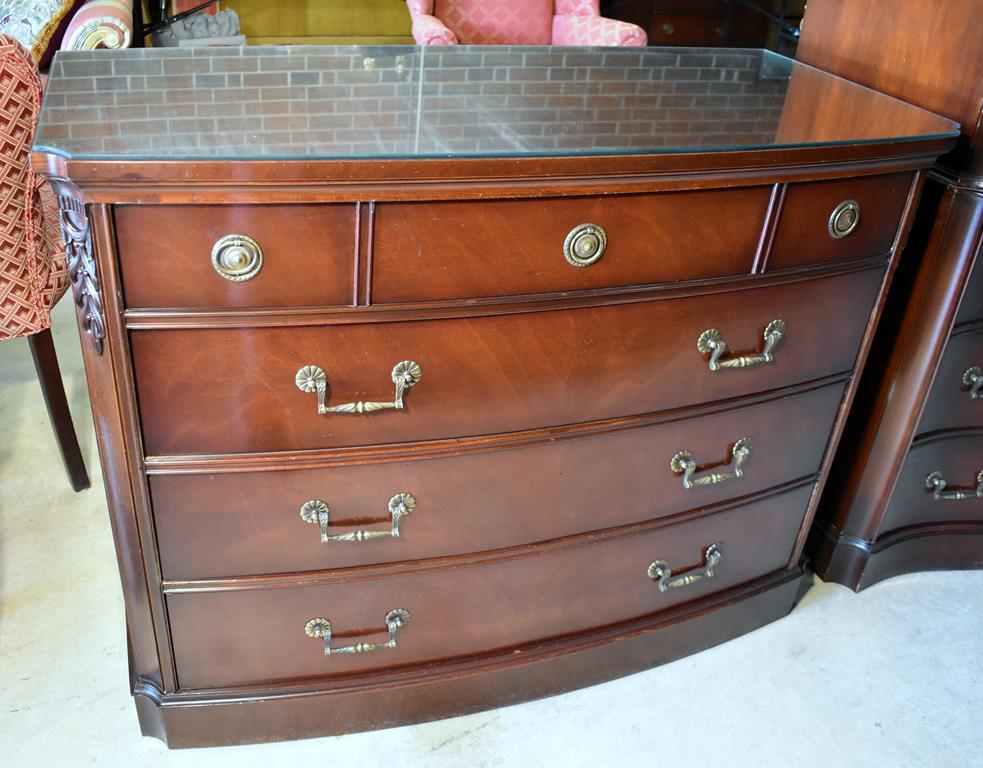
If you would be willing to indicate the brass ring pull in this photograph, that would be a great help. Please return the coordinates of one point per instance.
(585, 244)
(711, 341)
(936, 485)
(844, 219)
(973, 378)
(320, 627)
(317, 512)
(661, 572)
(684, 464)
(237, 258)
(312, 378)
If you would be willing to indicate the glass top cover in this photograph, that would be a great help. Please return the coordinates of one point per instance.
(325, 102)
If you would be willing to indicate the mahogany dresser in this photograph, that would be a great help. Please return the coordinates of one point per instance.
(428, 381)
(906, 492)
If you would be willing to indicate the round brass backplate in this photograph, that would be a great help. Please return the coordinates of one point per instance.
(844, 219)
(237, 258)
(585, 245)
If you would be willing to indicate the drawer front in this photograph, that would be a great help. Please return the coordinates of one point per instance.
(950, 404)
(219, 525)
(455, 250)
(258, 635)
(234, 390)
(803, 235)
(971, 307)
(685, 29)
(959, 460)
(166, 255)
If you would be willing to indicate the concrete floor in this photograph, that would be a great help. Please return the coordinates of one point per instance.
(890, 677)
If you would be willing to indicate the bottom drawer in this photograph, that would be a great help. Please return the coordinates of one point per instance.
(462, 608)
(958, 460)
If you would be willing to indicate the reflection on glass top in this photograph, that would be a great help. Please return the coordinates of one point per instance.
(313, 102)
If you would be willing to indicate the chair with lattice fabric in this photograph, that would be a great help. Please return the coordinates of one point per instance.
(33, 271)
(518, 22)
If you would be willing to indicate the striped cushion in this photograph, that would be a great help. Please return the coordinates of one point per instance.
(100, 24)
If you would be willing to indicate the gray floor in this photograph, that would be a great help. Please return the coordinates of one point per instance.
(890, 677)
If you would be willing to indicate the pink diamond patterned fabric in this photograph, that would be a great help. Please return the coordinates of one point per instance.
(480, 22)
(33, 274)
(596, 30)
(518, 22)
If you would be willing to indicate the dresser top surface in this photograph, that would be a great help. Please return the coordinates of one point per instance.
(402, 102)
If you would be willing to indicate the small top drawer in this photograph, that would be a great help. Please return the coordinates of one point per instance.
(431, 251)
(835, 220)
(213, 256)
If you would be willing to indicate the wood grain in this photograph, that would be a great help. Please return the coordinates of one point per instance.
(485, 375)
(253, 636)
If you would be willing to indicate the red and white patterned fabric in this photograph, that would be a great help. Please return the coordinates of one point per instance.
(518, 22)
(33, 274)
(100, 24)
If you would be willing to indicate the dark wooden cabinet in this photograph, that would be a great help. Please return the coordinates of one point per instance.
(448, 413)
(918, 419)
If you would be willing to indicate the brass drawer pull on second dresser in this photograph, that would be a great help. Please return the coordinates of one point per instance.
(683, 463)
(973, 378)
(936, 484)
(711, 341)
(312, 378)
(316, 511)
(319, 627)
(660, 570)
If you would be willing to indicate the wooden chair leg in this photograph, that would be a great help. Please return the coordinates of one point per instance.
(46, 364)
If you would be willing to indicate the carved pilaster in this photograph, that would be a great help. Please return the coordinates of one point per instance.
(81, 263)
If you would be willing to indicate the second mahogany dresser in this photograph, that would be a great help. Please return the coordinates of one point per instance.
(907, 484)
(427, 381)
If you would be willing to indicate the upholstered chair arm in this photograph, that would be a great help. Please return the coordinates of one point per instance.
(100, 24)
(575, 29)
(429, 30)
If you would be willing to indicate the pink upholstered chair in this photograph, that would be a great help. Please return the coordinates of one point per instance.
(518, 22)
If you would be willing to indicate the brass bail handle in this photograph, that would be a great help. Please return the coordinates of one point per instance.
(405, 375)
(320, 628)
(660, 571)
(711, 341)
(318, 513)
(936, 485)
(683, 463)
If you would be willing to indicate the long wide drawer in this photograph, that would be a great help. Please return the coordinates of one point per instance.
(243, 636)
(246, 523)
(236, 390)
(957, 461)
(951, 404)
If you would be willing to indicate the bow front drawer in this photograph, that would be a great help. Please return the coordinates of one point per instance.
(941, 482)
(274, 389)
(231, 256)
(252, 523)
(246, 636)
(473, 249)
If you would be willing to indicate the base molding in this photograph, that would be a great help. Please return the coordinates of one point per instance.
(402, 697)
(858, 563)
